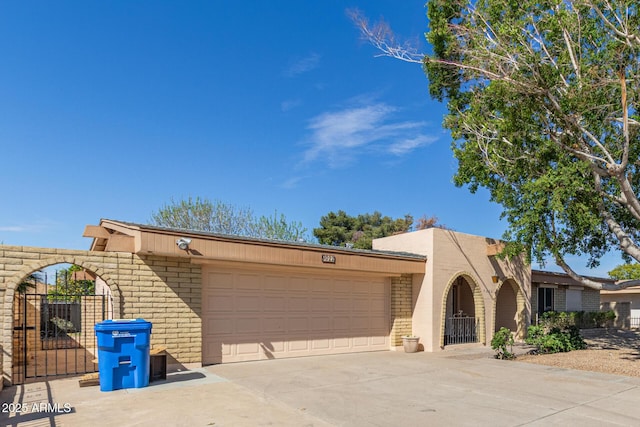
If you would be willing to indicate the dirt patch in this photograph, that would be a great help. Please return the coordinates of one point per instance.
(609, 351)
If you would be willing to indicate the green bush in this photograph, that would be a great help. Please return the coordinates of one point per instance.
(501, 339)
(556, 340)
(534, 333)
(575, 339)
(580, 319)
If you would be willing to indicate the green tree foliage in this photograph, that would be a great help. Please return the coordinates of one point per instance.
(543, 112)
(277, 227)
(340, 229)
(626, 272)
(205, 215)
(202, 214)
(68, 287)
(541, 98)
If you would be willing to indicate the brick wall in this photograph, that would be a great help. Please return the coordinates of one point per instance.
(590, 300)
(401, 289)
(560, 299)
(164, 291)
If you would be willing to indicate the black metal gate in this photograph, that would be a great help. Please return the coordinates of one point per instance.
(53, 335)
(461, 330)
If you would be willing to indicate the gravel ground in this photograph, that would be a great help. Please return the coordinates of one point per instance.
(612, 351)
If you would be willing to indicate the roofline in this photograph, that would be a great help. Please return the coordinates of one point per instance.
(260, 241)
(565, 275)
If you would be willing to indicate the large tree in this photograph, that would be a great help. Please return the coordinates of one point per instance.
(201, 214)
(341, 229)
(543, 111)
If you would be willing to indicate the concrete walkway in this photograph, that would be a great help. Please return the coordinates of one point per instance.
(459, 387)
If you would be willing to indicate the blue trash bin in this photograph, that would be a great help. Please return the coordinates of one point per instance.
(123, 353)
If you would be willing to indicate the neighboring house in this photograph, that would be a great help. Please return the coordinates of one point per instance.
(630, 296)
(559, 292)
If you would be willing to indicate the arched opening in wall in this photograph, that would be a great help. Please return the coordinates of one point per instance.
(55, 310)
(509, 308)
(461, 322)
(506, 307)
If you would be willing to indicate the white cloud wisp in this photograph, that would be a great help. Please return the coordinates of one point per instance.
(339, 137)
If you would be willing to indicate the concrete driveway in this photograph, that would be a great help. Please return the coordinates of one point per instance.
(460, 387)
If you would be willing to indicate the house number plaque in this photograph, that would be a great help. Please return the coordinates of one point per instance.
(329, 259)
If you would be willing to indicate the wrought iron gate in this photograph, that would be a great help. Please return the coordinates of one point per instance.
(53, 335)
(461, 330)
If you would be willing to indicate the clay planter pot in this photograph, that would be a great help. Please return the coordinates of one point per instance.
(410, 344)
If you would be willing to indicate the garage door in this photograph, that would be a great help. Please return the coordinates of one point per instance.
(262, 315)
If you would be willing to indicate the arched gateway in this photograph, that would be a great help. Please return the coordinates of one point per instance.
(462, 311)
(46, 333)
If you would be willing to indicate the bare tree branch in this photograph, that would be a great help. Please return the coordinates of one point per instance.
(382, 38)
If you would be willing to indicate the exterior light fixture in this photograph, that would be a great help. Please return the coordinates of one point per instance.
(183, 243)
(494, 279)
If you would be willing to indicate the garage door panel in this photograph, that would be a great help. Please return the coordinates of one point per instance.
(321, 283)
(301, 345)
(275, 283)
(359, 323)
(219, 303)
(246, 348)
(216, 351)
(274, 303)
(320, 324)
(250, 282)
(379, 340)
(298, 324)
(273, 325)
(377, 289)
(220, 280)
(247, 302)
(379, 316)
(257, 315)
(341, 323)
(299, 284)
(379, 323)
(360, 288)
(341, 343)
(360, 342)
(220, 326)
(360, 304)
(248, 325)
(275, 346)
(321, 344)
(341, 286)
(321, 303)
(298, 303)
(342, 304)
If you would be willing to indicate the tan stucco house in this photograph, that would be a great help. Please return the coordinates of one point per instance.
(217, 299)
(558, 292)
(626, 300)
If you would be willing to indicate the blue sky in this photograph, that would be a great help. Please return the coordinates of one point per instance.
(110, 109)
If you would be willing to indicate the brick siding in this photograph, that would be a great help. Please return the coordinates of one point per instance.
(401, 310)
(164, 291)
(590, 300)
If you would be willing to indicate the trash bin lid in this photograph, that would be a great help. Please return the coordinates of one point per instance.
(123, 325)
